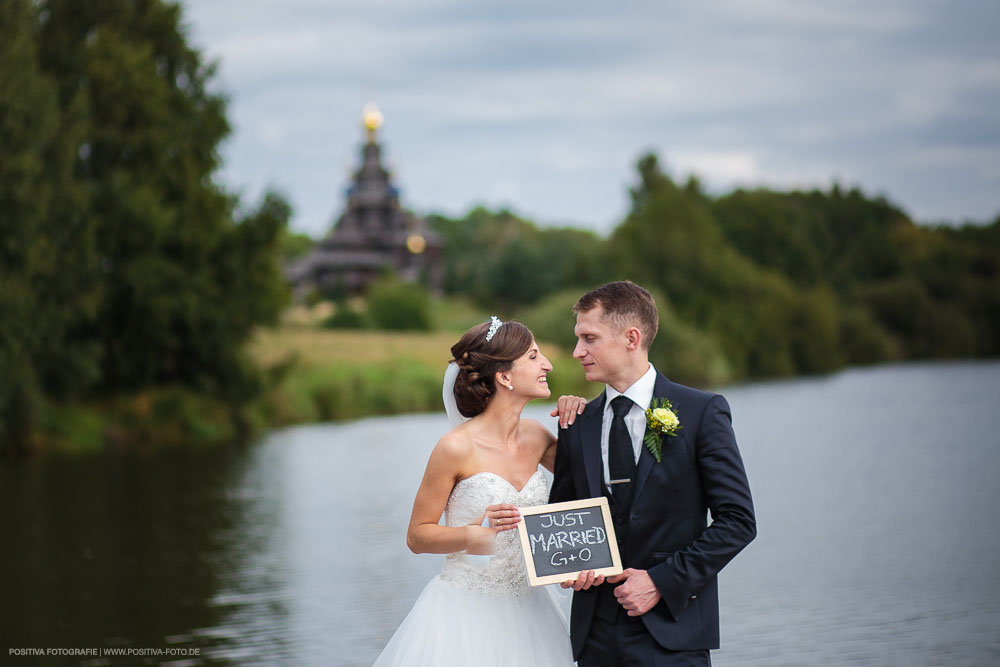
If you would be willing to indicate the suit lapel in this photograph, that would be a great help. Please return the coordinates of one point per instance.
(646, 459)
(590, 442)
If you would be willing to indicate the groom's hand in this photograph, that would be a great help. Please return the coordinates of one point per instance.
(638, 594)
(568, 408)
(584, 581)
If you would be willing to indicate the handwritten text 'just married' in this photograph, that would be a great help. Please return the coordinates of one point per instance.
(566, 539)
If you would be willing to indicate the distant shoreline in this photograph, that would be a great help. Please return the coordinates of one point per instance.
(313, 376)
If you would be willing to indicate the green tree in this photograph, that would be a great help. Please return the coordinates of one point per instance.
(905, 290)
(671, 242)
(774, 231)
(499, 259)
(294, 245)
(47, 289)
(182, 283)
(27, 121)
(123, 263)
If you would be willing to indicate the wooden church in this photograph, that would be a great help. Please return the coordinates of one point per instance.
(373, 235)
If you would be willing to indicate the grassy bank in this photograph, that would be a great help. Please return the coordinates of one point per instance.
(162, 416)
(311, 374)
(320, 375)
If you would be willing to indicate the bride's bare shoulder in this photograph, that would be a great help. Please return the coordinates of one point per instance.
(537, 432)
(455, 445)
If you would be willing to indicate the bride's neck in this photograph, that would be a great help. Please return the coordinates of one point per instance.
(502, 417)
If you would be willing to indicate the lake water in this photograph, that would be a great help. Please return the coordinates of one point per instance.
(876, 492)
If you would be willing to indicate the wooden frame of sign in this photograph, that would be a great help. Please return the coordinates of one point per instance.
(561, 540)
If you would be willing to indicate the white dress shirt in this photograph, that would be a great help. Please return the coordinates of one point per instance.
(641, 393)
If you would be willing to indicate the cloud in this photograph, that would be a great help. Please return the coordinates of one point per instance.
(858, 15)
(980, 161)
(546, 107)
(720, 166)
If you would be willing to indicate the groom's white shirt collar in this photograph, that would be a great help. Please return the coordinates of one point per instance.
(641, 391)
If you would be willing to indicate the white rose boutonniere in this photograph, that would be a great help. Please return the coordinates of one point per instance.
(661, 420)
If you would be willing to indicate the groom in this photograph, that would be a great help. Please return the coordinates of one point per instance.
(664, 608)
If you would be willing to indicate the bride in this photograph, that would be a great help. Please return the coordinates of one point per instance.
(476, 613)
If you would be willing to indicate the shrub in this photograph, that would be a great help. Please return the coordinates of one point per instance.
(396, 305)
(345, 317)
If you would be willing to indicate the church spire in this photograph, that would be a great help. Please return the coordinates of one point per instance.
(373, 234)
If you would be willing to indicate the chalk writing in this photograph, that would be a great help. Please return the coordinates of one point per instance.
(562, 539)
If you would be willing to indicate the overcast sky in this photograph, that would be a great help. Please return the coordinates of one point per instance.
(544, 107)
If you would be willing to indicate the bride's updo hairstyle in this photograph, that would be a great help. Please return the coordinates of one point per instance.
(479, 360)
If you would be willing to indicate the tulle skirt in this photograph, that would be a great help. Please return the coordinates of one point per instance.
(452, 626)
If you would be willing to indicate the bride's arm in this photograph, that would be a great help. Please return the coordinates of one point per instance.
(548, 443)
(425, 534)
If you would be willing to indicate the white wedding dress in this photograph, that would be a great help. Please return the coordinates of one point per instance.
(480, 611)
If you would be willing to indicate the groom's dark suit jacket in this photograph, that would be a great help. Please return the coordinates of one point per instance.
(700, 471)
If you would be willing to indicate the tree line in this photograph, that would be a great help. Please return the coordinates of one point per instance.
(123, 264)
(753, 283)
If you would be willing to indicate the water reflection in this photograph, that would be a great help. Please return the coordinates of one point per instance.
(118, 550)
(875, 492)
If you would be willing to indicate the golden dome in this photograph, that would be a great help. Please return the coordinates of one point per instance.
(372, 117)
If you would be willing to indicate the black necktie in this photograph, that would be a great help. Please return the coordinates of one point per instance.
(621, 456)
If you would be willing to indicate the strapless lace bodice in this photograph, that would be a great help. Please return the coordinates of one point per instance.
(502, 573)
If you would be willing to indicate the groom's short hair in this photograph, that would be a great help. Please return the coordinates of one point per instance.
(624, 304)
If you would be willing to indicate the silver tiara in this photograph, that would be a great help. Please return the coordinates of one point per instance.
(495, 325)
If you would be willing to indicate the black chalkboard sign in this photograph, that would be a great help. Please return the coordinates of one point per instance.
(563, 539)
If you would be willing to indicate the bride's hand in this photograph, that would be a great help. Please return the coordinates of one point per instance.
(479, 539)
(502, 516)
(568, 408)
